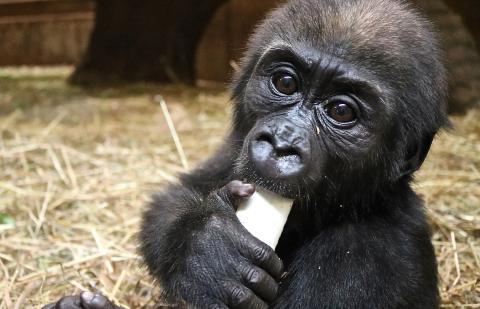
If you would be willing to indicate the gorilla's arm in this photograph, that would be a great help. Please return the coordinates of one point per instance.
(194, 244)
(183, 198)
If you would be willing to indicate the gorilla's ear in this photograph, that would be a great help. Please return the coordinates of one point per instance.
(416, 155)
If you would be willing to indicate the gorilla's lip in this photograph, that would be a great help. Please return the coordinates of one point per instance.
(288, 187)
(283, 168)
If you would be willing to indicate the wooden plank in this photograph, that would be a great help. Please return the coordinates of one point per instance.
(20, 1)
(28, 19)
(44, 7)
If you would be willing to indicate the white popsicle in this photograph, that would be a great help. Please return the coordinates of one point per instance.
(264, 215)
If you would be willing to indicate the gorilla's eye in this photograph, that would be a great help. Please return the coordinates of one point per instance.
(341, 111)
(285, 83)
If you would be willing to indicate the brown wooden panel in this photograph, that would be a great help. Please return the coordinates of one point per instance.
(225, 38)
(35, 7)
(47, 42)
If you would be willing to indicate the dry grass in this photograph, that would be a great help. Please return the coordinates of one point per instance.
(78, 166)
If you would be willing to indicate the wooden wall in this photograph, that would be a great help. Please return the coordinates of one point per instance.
(36, 32)
(225, 38)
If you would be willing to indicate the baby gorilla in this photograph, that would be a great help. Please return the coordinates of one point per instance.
(335, 106)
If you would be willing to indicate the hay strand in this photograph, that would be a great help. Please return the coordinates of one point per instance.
(173, 131)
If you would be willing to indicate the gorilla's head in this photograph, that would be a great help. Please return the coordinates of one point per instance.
(338, 96)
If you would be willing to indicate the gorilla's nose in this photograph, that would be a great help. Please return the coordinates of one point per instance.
(280, 151)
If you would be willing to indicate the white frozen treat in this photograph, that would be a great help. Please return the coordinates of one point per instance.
(264, 215)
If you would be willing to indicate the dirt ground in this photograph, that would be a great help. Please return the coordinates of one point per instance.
(77, 167)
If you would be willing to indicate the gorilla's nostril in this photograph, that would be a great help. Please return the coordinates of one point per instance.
(278, 155)
(264, 137)
(281, 148)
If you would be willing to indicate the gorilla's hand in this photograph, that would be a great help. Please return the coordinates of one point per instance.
(223, 265)
(86, 300)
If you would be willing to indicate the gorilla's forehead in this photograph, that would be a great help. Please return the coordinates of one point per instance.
(353, 29)
(364, 19)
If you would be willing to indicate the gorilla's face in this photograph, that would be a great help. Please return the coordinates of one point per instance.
(314, 119)
(337, 97)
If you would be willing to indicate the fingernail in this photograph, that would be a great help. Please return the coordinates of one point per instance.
(88, 296)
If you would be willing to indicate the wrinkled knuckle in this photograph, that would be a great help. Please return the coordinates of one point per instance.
(262, 253)
(237, 293)
(254, 276)
(240, 296)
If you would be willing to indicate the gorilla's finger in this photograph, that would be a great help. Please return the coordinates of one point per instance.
(238, 189)
(260, 282)
(240, 297)
(264, 256)
(96, 301)
(233, 192)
